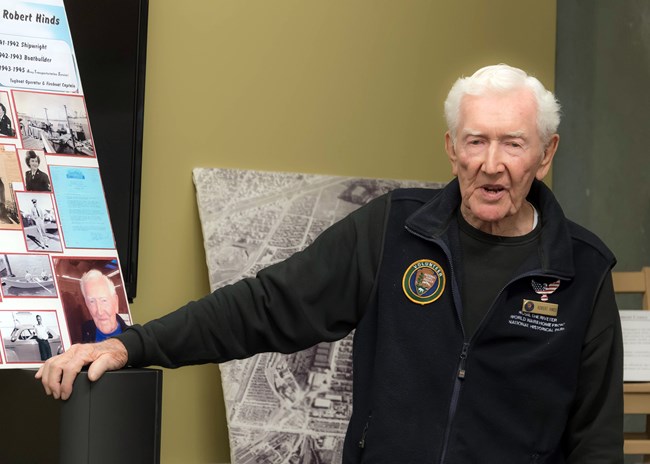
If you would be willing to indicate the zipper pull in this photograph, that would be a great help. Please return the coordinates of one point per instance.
(463, 356)
(362, 442)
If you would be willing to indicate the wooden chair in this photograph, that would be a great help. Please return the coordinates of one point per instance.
(636, 395)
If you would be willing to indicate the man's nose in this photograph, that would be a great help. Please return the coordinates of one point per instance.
(96, 307)
(493, 161)
(102, 308)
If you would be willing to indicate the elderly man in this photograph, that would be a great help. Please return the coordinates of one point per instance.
(486, 326)
(103, 303)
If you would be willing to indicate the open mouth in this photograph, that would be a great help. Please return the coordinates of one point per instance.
(493, 193)
(493, 188)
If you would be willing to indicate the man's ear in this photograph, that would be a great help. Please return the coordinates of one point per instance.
(547, 157)
(451, 153)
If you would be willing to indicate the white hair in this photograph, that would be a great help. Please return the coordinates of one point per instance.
(92, 275)
(503, 78)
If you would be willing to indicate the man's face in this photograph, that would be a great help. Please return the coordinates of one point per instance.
(496, 156)
(102, 305)
(38, 319)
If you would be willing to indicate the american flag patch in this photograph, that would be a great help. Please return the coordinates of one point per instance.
(545, 289)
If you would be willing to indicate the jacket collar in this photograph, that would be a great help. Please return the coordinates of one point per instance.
(432, 220)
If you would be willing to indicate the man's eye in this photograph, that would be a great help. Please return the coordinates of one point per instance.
(474, 142)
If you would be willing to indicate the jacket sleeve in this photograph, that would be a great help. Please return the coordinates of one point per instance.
(594, 432)
(316, 295)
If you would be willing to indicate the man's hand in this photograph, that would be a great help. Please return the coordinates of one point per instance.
(58, 373)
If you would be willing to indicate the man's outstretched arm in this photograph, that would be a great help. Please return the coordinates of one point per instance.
(58, 373)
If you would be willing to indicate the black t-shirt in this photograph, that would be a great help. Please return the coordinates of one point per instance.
(488, 262)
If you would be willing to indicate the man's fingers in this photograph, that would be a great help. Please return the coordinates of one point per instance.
(58, 373)
(66, 381)
(45, 375)
(52, 383)
(98, 368)
(41, 375)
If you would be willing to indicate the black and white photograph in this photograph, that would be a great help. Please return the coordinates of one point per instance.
(93, 298)
(281, 408)
(27, 275)
(56, 123)
(30, 336)
(9, 174)
(36, 175)
(7, 121)
(40, 223)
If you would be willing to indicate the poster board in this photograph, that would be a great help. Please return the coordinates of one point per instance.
(281, 407)
(54, 221)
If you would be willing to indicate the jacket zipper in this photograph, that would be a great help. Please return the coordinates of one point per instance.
(463, 357)
(460, 376)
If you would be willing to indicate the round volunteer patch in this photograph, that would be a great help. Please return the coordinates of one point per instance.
(424, 281)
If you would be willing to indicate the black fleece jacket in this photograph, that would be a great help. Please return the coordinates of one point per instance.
(533, 389)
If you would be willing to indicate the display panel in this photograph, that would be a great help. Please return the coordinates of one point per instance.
(60, 274)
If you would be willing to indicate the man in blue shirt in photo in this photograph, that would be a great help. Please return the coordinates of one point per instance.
(103, 304)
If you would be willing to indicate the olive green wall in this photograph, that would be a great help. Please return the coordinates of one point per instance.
(347, 87)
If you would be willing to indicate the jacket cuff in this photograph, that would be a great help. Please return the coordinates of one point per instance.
(131, 339)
